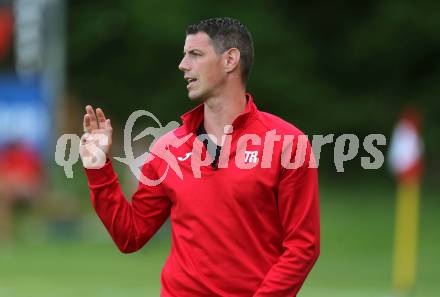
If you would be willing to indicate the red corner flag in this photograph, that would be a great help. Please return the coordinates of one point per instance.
(406, 149)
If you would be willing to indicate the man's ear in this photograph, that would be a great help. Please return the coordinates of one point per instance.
(231, 59)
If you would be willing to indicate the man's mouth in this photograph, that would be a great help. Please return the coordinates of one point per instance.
(190, 81)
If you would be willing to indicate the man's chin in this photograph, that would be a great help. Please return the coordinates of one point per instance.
(195, 97)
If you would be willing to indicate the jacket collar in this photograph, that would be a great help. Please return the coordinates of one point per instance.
(193, 118)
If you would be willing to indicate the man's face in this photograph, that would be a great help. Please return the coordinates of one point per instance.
(202, 67)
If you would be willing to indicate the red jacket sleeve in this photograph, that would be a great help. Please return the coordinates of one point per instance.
(130, 224)
(298, 204)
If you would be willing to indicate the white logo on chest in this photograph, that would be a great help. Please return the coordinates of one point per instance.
(250, 156)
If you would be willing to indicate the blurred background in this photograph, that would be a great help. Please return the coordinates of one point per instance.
(333, 67)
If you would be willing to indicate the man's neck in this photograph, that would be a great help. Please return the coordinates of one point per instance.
(222, 110)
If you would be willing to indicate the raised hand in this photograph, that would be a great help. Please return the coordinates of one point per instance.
(96, 141)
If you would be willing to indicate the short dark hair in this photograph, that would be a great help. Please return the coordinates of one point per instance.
(227, 33)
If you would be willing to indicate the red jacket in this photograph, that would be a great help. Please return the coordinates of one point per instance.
(235, 232)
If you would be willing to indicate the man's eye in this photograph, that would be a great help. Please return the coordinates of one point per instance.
(192, 54)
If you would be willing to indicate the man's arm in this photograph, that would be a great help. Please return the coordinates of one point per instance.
(298, 204)
(130, 225)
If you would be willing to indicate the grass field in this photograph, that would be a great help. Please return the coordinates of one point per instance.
(356, 258)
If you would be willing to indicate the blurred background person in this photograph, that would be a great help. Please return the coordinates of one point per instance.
(21, 183)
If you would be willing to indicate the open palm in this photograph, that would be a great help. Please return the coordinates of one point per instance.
(97, 138)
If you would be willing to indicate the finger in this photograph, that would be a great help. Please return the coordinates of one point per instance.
(86, 124)
(101, 118)
(91, 113)
(108, 125)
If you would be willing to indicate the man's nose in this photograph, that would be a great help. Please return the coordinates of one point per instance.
(183, 66)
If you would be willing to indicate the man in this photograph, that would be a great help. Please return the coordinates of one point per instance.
(241, 228)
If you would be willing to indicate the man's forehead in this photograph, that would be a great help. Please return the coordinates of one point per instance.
(199, 40)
